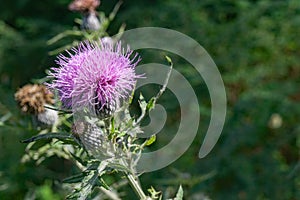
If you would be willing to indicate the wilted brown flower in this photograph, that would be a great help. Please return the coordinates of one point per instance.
(32, 98)
(84, 5)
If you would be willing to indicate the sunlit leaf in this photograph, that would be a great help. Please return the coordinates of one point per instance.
(151, 140)
(179, 195)
(151, 103)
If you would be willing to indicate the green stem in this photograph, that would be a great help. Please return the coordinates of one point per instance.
(136, 186)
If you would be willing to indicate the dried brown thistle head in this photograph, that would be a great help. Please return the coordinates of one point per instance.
(32, 98)
(84, 5)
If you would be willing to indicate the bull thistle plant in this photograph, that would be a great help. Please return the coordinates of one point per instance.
(84, 109)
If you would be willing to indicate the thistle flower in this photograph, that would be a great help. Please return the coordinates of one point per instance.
(93, 139)
(95, 76)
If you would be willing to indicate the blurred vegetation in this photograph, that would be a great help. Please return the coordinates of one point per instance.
(255, 44)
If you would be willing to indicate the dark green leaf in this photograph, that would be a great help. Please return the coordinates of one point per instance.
(102, 183)
(75, 179)
(93, 164)
(78, 159)
(60, 136)
(88, 183)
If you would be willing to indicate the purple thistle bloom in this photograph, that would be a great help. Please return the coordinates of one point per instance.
(95, 75)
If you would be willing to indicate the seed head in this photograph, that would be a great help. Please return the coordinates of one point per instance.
(32, 98)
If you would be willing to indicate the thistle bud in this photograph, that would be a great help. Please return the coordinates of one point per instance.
(90, 21)
(48, 118)
(105, 111)
(90, 135)
(92, 138)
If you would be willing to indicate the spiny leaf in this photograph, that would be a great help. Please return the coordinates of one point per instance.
(102, 183)
(112, 129)
(72, 142)
(179, 195)
(142, 102)
(119, 167)
(60, 136)
(143, 107)
(63, 48)
(169, 60)
(78, 159)
(154, 194)
(75, 179)
(86, 187)
(162, 90)
(115, 10)
(63, 35)
(151, 103)
(151, 140)
(93, 164)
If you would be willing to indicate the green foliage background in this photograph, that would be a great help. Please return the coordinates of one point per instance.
(255, 44)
